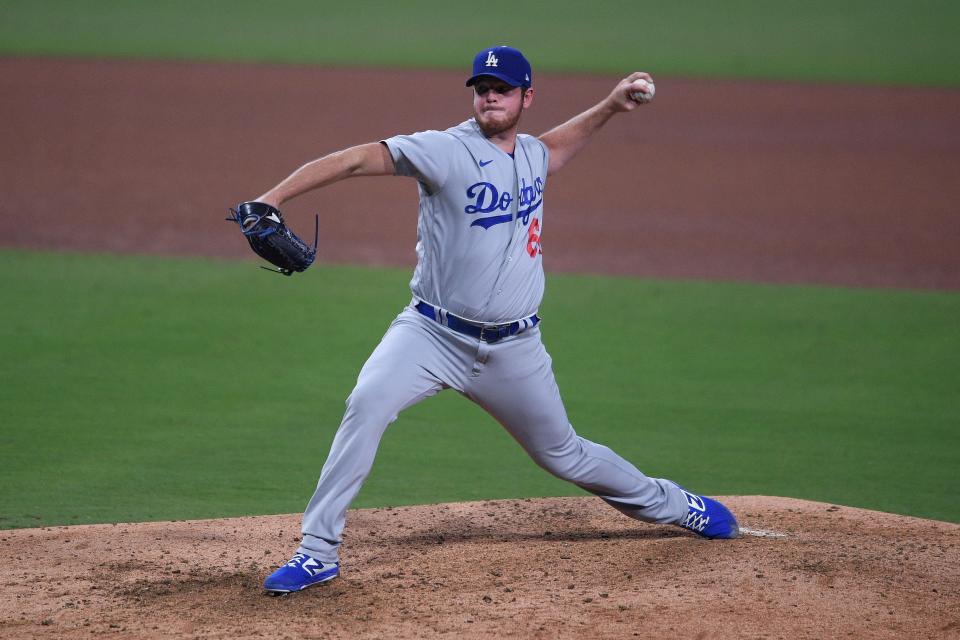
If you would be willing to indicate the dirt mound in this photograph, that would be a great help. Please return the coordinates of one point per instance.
(558, 567)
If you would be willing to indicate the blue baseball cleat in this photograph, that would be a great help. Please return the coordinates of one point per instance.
(301, 572)
(708, 518)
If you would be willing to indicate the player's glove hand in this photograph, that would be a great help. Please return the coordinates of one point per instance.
(271, 239)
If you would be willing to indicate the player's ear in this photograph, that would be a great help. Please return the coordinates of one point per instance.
(527, 97)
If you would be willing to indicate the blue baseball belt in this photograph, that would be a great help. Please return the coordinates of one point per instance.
(489, 333)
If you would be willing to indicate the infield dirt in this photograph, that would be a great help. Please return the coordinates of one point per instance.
(717, 180)
(551, 568)
(770, 182)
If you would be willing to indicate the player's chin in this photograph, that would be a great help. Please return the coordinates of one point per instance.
(495, 122)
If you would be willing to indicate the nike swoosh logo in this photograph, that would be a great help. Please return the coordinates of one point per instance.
(484, 163)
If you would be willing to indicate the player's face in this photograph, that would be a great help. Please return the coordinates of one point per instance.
(497, 106)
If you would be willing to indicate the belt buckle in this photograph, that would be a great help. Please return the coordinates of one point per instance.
(488, 329)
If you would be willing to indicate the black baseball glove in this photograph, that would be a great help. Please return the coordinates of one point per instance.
(271, 239)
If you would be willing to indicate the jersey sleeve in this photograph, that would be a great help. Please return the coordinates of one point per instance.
(538, 152)
(545, 150)
(425, 156)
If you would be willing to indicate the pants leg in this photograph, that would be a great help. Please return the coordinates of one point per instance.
(405, 368)
(514, 382)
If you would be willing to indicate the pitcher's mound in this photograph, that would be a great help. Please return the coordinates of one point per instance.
(558, 567)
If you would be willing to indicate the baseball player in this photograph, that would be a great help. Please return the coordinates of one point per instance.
(472, 324)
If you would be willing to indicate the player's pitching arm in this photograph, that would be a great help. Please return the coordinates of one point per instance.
(371, 159)
(565, 140)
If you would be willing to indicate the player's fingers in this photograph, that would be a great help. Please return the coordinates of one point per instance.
(639, 75)
(629, 84)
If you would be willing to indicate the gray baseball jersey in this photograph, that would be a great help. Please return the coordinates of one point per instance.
(479, 258)
(481, 215)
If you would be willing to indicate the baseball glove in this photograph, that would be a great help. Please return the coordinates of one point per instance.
(271, 239)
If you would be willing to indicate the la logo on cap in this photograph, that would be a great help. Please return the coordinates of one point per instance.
(491, 59)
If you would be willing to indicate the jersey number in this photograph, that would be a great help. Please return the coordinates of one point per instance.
(533, 238)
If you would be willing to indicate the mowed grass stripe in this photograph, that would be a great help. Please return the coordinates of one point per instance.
(140, 388)
(860, 41)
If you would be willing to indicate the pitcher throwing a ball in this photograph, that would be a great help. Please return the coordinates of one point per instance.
(472, 324)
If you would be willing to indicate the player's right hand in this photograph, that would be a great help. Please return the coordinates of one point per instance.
(620, 98)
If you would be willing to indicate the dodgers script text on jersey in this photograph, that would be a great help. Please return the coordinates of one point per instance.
(487, 198)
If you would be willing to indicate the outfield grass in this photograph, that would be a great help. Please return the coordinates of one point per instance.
(138, 388)
(862, 41)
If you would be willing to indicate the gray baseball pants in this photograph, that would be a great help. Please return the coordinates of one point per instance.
(512, 380)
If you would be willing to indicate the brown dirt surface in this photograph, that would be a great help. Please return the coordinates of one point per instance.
(773, 182)
(550, 568)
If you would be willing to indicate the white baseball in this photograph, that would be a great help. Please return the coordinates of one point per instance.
(642, 91)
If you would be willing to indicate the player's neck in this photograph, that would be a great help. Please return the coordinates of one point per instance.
(506, 141)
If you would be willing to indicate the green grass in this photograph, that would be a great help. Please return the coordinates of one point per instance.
(862, 41)
(137, 388)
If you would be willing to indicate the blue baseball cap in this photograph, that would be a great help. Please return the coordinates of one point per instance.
(505, 63)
